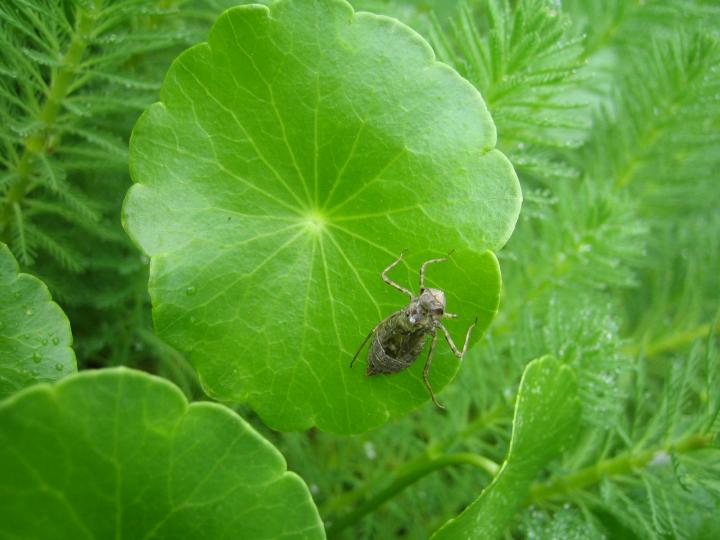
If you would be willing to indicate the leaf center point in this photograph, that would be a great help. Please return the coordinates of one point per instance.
(315, 221)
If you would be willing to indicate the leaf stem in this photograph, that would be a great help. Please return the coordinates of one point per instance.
(37, 143)
(406, 477)
(612, 467)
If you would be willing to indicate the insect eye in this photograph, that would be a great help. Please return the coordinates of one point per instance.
(437, 311)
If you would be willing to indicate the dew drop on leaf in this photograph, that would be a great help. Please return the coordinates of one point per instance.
(30, 320)
(190, 291)
(58, 367)
(56, 340)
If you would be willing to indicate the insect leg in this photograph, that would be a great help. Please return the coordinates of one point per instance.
(390, 281)
(361, 346)
(426, 371)
(455, 351)
(422, 269)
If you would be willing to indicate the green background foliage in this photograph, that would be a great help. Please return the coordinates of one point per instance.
(121, 454)
(609, 113)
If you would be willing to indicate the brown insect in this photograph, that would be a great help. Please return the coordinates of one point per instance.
(399, 338)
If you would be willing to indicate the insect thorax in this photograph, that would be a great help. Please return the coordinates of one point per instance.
(426, 309)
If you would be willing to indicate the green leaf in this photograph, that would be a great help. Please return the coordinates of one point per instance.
(35, 338)
(117, 453)
(547, 415)
(292, 159)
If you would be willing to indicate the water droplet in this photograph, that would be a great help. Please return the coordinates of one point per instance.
(190, 291)
(35, 372)
(44, 341)
(28, 311)
(56, 340)
(59, 366)
(37, 357)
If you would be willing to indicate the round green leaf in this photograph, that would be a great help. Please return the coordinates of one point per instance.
(118, 453)
(547, 416)
(35, 338)
(292, 158)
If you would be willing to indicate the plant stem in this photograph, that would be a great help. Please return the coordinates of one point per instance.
(409, 475)
(611, 467)
(672, 342)
(36, 143)
(494, 415)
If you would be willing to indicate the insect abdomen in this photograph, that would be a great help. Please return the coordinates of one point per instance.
(395, 346)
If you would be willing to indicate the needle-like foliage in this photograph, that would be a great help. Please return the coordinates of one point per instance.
(73, 78)
(525, 59)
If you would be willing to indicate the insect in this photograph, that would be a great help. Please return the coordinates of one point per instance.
(399, 338)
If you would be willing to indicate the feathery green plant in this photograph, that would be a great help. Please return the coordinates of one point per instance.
(73, 78)
(524, 58)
